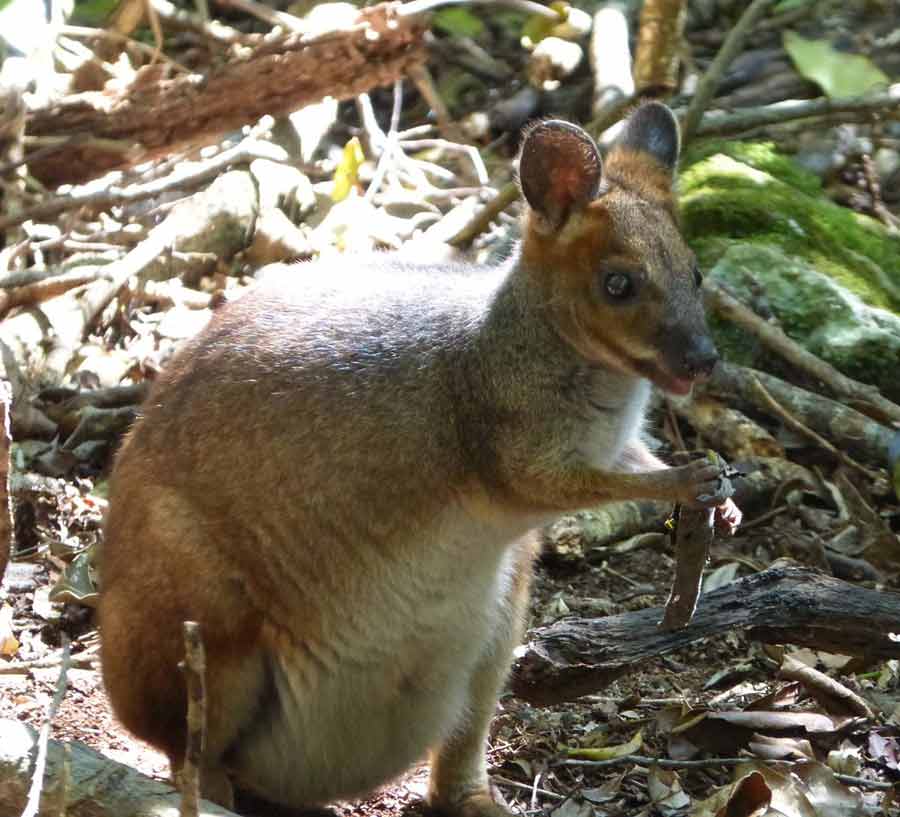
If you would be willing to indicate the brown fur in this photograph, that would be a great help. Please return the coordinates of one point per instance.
(337, 478)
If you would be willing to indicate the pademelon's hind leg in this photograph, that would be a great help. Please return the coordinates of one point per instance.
(459, 784)
(158, 571)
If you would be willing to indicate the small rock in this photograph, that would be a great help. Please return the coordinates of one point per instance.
(277, 238)
(552, 60)
(283, 186)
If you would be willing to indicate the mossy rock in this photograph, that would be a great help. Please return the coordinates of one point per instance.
(831, 276)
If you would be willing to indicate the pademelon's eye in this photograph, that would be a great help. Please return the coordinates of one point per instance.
(618, 284)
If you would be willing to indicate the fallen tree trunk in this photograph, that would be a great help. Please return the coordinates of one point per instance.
(153, 117)
(81, 782)
(578, 656)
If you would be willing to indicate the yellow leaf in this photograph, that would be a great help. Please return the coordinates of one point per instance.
(347, 173)
(610, 752)
(9, 644)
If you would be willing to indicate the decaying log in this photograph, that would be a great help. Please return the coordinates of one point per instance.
(578, 656)
(95, 785)
(858, 434)
(727, 430)
(153, 117)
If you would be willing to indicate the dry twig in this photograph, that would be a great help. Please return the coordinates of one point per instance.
(793, 423)
(507, 195)
(185, 176)
(194, 668)
(40, 763)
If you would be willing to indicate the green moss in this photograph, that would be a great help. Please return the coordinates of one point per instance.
(760, 156)
(726, 198)
(813, 309)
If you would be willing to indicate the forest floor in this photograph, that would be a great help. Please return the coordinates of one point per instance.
(527, 743)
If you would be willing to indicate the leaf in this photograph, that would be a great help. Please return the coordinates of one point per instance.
(537, 27)
(610, 752)
(9, 644)
(347, 172)
(840, 75)
(76, 586)
(458, 21)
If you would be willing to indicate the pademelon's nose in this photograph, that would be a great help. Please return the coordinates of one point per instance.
(700, 356)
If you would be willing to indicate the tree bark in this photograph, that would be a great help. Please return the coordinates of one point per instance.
(578, 656)
(153, 117)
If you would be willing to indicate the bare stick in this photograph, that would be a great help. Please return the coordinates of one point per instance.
(776, 340)
(422, 79)
(242, 153)
(708, 84)
(793, 423)
(730, 123)
(195, 677)
(49, 287)
(464, 238)
(40, 763)
(389, 147)
(854, 431)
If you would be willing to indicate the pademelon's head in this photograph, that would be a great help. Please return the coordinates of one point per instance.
(601, 241)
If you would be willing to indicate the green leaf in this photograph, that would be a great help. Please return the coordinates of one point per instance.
(537, 27)
(840, 75)
(93, 12)
(457, 21)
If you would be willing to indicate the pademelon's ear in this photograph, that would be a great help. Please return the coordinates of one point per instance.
(559, 170)
(652, 128)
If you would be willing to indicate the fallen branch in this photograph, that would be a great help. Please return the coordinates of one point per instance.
(483, 218)
(49, 287)
(773, 407)
(851, 430)
(281, 75)
(578, 656)
(96, 786)
(730, 123)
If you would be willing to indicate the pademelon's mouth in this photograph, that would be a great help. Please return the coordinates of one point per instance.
(657, 373)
